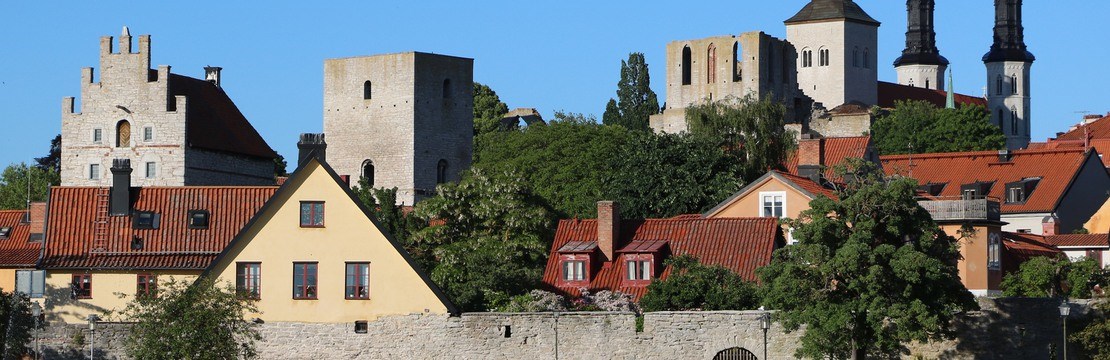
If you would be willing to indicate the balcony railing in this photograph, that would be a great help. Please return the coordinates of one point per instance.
(955, 209)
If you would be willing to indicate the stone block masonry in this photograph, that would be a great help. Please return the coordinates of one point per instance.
(991, 333)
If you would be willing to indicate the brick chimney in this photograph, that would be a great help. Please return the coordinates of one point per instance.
(120, 200)
(810, 153)
(608, 228)
(36, 215)
(1050, 225)
(311, 145)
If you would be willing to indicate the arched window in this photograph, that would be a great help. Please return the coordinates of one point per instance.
(735, 353)
(823, 57)
(685, 65)
(441, 172)
(927, 84)
(1014, 84)
(866, 58)
(366, 90)
(1013, 121)
(737, 72)
(998, 86)
(807, 58)
(1001, 118)
(447, 90)
(711, 64)
(855, 57)
(123, 134)
(368, 172)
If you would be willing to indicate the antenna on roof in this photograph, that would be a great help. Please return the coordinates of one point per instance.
(28, 187)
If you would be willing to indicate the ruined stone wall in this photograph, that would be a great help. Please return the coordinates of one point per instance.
(993, 333)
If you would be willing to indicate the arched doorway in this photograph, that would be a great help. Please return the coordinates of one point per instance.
(735, 353)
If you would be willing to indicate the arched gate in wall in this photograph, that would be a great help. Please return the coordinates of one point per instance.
(735, 353)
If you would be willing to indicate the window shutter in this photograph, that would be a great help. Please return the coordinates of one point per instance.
(23, 281)
(38, 283)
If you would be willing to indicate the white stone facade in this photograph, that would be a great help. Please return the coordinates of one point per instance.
(1008, 100)
(416, 114)
(922, 76)
(851, 73)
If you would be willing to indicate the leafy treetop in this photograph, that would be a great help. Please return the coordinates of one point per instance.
(920, 127)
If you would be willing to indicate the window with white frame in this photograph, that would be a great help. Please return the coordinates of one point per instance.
(148, 134)
(151, 170)
(638, 269)
(772, 204)
(94, 171)
(574, 270)
(30, 282)
(994, 251)
(97, 135)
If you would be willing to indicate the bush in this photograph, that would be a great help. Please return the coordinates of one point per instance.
(694, 286)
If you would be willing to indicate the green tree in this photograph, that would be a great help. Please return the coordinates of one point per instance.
(53, 159)
(16, 324)
(382, 203)
(1094, 338)
(663, 175)
(201, 320)
(13, 185)
(1051, 277)
(280, 165)
(694, 286)
(921, 127)
(490, 243)
(564, 162)
(750, 130)
(488, 109)
(870, 272)
(635, 100)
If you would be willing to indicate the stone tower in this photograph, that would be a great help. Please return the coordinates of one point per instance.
(175, 130)
(837, 45)
(1008, 64)
(716, 68)
(921, 64)
(400, 120)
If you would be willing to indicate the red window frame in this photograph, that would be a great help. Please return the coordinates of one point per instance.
(82, 286)
(315, 209)
(357, 283)
(637, 261)
(146, 284)
(564, 259)
(308, 290)
(244, 272)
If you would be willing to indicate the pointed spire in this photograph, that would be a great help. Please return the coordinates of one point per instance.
(950, 102)
(921, 38)
(126, 32)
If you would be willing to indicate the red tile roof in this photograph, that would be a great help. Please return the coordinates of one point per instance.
(891, 93)
(16, 250)
(1055, 168)
(809, 185)
(73, 223)
(214, 122)
(740, 244)
(835, 151)
(1100, 145)
(1085, 240)
(1098, 129)
(798, 182)
(1022, 247)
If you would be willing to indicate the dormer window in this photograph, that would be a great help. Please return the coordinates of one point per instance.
(975, 191)
(933, 189)
(1018, 192)
(639, 269)
(146, 220)
(575, 263)
(574, 270)
(5, 232)
(198, 219)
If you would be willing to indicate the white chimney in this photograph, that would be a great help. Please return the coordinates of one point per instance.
(212, 74)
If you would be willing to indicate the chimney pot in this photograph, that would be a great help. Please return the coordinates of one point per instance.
(1050, 225)
(608, 228)
(1003, 155)
(120, 198)
(212, 74)
(810, 152)
(311, 145)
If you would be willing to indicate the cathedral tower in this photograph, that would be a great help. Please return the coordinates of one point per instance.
(837, 44)
(921, 64)
(1008, 64)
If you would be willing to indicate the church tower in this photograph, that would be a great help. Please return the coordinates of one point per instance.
(1008, 64)
(837, 44)
(921, 64)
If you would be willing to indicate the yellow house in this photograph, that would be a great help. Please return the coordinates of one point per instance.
(314, 253)
(775, 194)
(20, 245)
(1099, 222)
(104, 245)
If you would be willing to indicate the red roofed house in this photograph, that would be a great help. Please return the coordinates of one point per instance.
(1019, 248)
(1093, 132)
(1070, 184)
(101, 242)
(824, 154)
(625, 255)
(21, 233)
(775, 195)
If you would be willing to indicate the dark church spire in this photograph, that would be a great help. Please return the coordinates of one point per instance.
(1009, 35)
(921, 39)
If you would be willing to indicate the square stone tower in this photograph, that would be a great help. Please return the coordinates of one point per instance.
(837, 46)
(400, 120)
(174, 129)
(750, 64)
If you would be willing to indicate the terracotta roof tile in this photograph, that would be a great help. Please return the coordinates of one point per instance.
(740, 244)
(72, 225)
(809, 185)
(214, 122)
(1022, 247)
(836, 150)
(891, 93)
(1055, 168)
(1098, 129)
(1086, 240)
(16, 250)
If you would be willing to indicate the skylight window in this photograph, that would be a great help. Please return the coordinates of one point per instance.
(5, 231)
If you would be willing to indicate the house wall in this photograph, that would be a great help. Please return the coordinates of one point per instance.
(1088, 192)
(1026, 221)
(974, 273)
(276, 240)
(111, 291)
(7, 279)
(1100, 221)
(749, 205)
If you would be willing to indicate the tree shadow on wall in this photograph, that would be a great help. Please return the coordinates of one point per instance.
(1011, 328)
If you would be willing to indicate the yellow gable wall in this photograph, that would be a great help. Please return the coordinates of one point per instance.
(749, 205)
(276, 240)
(1100, 221)
(7, 279)
(111, 291)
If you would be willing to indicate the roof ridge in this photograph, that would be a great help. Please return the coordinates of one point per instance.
(980, 153)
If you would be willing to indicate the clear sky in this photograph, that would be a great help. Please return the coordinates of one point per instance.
(549, 55)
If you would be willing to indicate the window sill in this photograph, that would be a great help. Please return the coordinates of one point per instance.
(312, 226)
(306, 298)
(358, 299)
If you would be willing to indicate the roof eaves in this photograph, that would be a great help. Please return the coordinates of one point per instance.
(739, 194)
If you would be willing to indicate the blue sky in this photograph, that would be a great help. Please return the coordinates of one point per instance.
(548, 55)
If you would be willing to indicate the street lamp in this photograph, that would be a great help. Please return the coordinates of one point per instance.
(36, 312)
(765, 324)
(1065, 310)
(92, 332)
